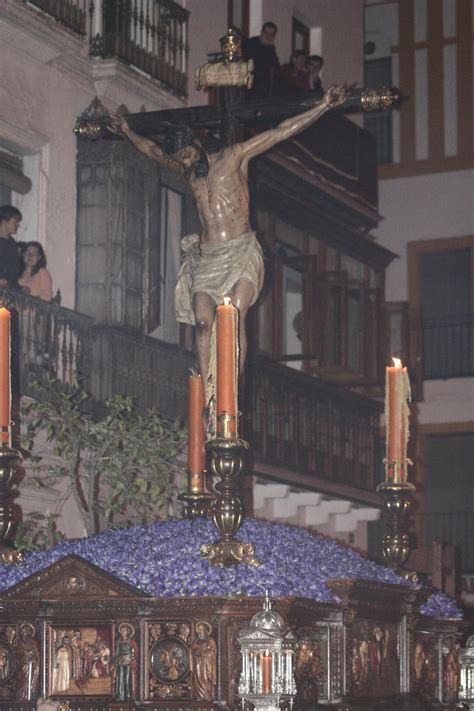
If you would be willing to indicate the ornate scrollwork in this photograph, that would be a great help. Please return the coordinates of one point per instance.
(92, 122)
(379, 99)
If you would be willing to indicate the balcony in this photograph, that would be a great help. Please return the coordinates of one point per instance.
(319, 431)
(149, 35)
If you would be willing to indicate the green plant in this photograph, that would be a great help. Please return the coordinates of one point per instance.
(37, 531)
(120, 468)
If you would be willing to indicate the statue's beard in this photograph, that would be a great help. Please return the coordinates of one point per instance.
(200, 167)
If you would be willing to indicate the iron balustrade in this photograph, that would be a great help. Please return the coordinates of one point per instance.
(48, 342)
(150, 35)
(291, 419)
(448, 347)
(70, 13)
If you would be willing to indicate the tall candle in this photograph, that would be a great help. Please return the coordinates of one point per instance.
(5, 391)
(196, 435)
(266, 673)
(227, 369)
(397, 397)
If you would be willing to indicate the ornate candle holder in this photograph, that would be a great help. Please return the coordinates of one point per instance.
(396, 507)
(231, 47)
(10, 460)
(226, 462)
(198, 501)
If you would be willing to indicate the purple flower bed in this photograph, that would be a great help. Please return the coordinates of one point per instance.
(164, 560)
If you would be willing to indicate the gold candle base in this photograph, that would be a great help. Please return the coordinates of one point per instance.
(10, 513)
(198, 501)
(197, 504)
(226, 462)
(396, 507)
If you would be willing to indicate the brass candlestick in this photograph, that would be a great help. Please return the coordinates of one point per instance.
(198, 501)
(226, 462)
(396, 507)
(10, 513)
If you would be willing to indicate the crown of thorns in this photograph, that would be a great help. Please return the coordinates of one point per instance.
(176, 138)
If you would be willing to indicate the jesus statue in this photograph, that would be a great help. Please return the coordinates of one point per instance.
(225, 260)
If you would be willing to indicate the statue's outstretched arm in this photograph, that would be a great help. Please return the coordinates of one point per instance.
(335, 96)
(144, 145)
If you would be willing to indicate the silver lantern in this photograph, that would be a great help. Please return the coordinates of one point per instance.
(267, 647)
(466, 686)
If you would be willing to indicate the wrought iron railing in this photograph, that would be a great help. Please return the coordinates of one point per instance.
(150, 35)
(70, 13)
(448, 347)
(48, 341)
(292, 419)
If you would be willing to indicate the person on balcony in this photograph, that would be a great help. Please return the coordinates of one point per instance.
(226, 259)
(261, 49)
(35, 279)
(315, 64)
(294, 76)
(10, 218)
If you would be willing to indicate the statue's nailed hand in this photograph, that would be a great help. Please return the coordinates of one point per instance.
(336, 96)
(118, 124)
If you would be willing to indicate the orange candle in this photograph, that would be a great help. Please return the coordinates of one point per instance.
(5, 393)
(266, 673)
(196, 434)
(397, 397)
(227, 370)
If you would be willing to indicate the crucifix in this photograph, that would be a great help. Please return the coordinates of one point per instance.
(225, 260)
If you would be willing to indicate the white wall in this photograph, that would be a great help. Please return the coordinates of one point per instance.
(424, 207)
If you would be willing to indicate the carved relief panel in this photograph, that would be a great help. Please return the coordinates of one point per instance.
(8, 664)
(311, 664)
(181, 660)
(79, 660)
(374, 657)
(450, 650)
(424, 667)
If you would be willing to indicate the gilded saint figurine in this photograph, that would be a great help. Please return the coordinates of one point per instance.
(204, 656)
(225, 260)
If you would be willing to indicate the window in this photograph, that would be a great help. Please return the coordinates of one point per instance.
(378, 72)
(442, 291)
(238, 16)
(299, 36)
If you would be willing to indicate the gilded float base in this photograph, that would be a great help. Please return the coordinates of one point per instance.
(229, 552)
